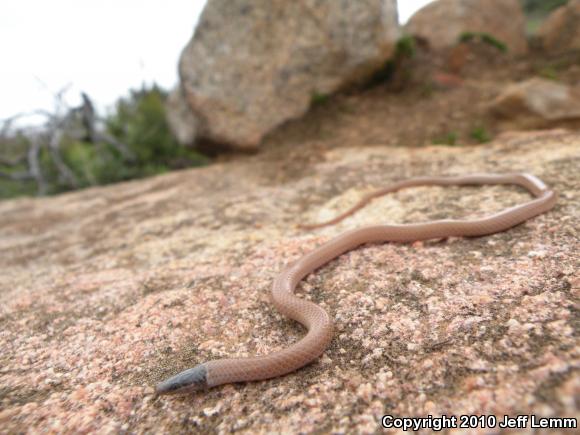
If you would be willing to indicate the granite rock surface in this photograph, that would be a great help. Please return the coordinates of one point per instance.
(561, 30)
(444, 21)
(106, 291)
(182, 121)
(537, 103)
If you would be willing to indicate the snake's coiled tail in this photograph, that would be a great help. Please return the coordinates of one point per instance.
(314, 318)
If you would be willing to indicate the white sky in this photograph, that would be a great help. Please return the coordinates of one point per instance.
(103, 47)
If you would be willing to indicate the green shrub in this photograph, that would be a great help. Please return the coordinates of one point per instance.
(449, 138)
(542, 6)
(480, 134)
(405, 48)
(139, 121)
(317, 99)
(549, 72)
(95, 165)
(483, 37)
(12, 188)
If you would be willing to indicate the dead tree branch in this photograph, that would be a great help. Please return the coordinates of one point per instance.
(89, 121)
(12, 163)
(16, 176)
(61, 124)
(34, 167)
(65, 173)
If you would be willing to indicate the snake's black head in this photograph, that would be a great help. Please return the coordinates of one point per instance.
(188, 381)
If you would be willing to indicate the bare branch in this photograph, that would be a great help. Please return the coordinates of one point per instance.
(61, 124)
(7, 123)
(12, 163)
(34, 167)
(54, 147)
(89, 121)
(16, 176)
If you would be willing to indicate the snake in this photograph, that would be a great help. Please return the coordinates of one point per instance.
(316, 320)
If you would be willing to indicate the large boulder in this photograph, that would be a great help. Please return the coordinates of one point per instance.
(252, 65)
(561, 30)
(444, 21)
(182, 121)
(538, 103)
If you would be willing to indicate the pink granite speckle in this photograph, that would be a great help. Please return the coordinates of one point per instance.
(106, 291)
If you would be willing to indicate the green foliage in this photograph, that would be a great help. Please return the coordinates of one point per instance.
(317, 99)
(549, 72)
(483, 37)
(449, 138)
(427, 89)
(537, 11)
(140, 123)
(480, 134)
(94, 165)
(542, 7)
(14, 188)
(405, 48)
(13, 150)
(553, 69)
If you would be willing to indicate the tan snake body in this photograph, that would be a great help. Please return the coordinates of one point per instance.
(314, 318)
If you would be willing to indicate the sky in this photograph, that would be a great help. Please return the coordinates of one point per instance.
(102, 47)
